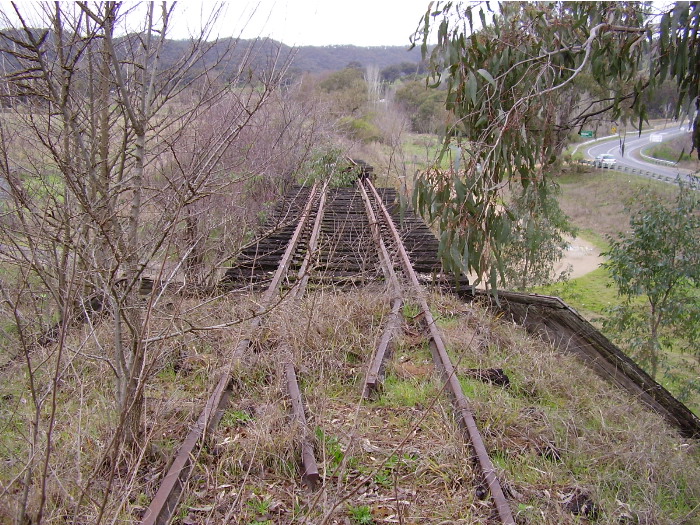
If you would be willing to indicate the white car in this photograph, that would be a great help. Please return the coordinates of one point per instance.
(604, 161)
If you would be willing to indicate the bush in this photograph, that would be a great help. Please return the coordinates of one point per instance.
(360, 129)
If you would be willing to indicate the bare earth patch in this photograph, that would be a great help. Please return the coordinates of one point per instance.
(582, 256)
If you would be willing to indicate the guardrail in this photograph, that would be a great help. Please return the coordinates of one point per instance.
(654, 160)
(692, 182)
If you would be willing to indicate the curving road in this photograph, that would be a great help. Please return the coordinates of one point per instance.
(632, 145)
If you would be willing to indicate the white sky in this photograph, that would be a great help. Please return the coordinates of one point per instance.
(312, 22)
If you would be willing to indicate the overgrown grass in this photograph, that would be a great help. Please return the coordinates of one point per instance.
(556, 431)
(667, 152)
(596, 202)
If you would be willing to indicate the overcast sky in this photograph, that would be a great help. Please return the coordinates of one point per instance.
(315, 22)
(294, 22)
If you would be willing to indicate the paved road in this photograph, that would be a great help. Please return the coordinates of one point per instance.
(633, 144)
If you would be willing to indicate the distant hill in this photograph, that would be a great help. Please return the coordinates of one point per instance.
(312, 59)
(262, 53)
(331, 58)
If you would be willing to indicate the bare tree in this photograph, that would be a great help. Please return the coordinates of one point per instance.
(116, 166)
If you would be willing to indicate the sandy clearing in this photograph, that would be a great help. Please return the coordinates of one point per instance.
(583, 257)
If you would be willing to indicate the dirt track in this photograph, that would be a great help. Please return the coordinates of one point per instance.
(582, 256)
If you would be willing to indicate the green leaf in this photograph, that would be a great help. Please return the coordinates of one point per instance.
(488, 77)
(471, 87)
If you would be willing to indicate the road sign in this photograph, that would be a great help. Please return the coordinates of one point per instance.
(613, 129)
(586, 134)
(656, 137)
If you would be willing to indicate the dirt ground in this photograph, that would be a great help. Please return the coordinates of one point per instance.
(582, 256)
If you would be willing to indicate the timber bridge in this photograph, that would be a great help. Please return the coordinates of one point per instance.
(351, 236)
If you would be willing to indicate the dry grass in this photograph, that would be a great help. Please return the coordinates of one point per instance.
(595, 202)
(558, 435)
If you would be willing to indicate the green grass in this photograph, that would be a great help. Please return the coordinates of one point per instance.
(362, 515)
(592, 293)
(667, 152)
(594, 238)
(235, 418)
(399, 392)
(259, 505)
(332, 448)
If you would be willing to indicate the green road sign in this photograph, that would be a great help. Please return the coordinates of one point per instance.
(587, 134)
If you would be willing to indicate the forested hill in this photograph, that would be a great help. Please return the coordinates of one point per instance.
(312, 59)
(260, 53)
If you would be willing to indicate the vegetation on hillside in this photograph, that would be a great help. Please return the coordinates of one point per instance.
(520, 78)
(132, 168)
(568, 445)
(601, 206)
(658, 260)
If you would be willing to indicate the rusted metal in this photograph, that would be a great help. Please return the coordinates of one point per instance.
(443, 361)
(384, 349)
(310, 475)
(384, 257)
(167, 497)
(303, 273)
(393, 323)
(166, 500)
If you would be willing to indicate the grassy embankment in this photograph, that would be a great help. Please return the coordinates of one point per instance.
(677, 150)
(596, 203)
(556, 433)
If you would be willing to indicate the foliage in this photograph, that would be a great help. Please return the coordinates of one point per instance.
(115, 167)
(394, 72)
(519, 79)
(425, 107)
(329, 164)
(537, 238)
(667, 151)
(679, 56)
(348, 89)
(362, 515)
(662, 101)
(361, 129)
(658, 259)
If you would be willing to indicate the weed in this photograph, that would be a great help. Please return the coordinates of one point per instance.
(167, 374)
(383, 478)
(235, 418)
(259, 505)
(331, 446)
(410, 310)
(362, 515)
(406, 392)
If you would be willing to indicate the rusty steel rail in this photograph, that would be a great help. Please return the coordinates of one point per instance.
(310, 474)
(167, 498)
(384, 349)
(303, 273)
(393, 323)
(443, 361)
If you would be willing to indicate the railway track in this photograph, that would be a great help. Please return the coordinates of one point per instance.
(343, 237)
(339, 236)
